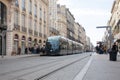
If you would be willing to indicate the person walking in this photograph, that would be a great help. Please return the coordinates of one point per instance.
(113, 53)
(43, 50)
(26, 50)
(19, 50)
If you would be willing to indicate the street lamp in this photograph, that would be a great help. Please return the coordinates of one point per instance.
(110, 33)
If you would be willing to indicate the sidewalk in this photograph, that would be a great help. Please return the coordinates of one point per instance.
(18, 56)
(103, 69)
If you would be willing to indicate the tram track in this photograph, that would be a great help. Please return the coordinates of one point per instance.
(37, 68)
(27, 68)
(52, 72)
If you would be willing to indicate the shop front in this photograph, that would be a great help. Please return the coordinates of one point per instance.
(30, 42)
(16, 44)
(23, 45)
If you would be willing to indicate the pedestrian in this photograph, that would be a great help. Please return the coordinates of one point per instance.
(38, 49)
(30, 50)
(26, 50)
(113, 53)
(43, 49)
(19, 50)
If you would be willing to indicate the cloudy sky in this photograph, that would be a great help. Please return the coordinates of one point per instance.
(90, 13)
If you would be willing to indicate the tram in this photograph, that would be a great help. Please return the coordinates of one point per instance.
(58, 45)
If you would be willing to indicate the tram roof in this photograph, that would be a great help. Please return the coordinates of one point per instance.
(58, 37)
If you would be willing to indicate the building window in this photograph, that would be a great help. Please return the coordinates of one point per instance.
(44, 16)
(40, 28)
(23, 5)
(30, 6)
(35, 27)
(40, 41)
(3, 17)
(45, 29)
(0, 13)
(16, 3)
(30, 26)
(35, 11)
(16, 17)
(23, 20)
(30, 23)
(40, 13)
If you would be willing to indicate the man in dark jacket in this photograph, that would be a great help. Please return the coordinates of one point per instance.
(113, 54)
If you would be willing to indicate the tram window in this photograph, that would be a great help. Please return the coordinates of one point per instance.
(3, 14)
(63, 45)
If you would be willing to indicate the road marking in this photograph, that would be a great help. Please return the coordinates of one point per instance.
(82, 73)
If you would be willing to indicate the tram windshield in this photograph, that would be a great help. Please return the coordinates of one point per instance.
(52, 43)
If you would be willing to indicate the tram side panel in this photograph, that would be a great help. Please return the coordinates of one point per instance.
(63, 47)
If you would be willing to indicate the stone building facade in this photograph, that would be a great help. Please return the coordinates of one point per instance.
(29, 22)
(62, 20)
(114, 21)
(26, 22)
(53, 27)
(68, 27)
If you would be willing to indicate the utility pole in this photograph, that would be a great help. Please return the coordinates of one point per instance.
(110, 33)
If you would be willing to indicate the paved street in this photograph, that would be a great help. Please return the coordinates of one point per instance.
(59, 39)
(100, 68)
(31, 67)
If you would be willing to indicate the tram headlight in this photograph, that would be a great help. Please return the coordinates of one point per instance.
(51, 50)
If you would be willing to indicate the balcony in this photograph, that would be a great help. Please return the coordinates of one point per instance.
(35, 16)
(16, 4)
(3, 27)
(44, 21)
(24, 29)
(45, 36)
(30, 31)
(30, 13)
(54, 31)
(40, 34)
(35, 33)
(40, 20)
(16, 27)
(71, 29)
(70, 37)
(23, 9)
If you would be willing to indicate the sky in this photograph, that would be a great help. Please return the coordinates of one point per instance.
(90, 14)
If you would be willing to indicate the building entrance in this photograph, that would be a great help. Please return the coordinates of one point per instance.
(0, 42)
(3, 26)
